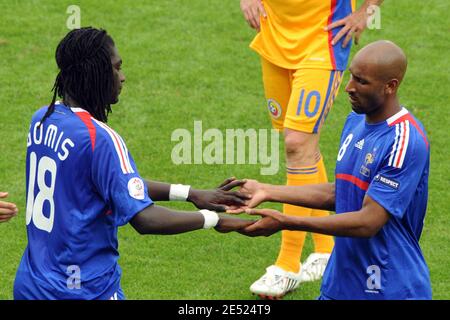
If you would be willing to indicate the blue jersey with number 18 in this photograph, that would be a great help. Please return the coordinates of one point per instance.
(389, 162)
(82, 184)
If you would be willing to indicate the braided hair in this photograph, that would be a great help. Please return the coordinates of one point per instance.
(85, 71)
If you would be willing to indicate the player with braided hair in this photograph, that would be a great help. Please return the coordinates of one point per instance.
(82, 183)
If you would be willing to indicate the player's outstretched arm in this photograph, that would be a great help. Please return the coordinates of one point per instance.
(7, 209)
(363, 223)
(354, 24)
(318, 196)
(219, 199)
(159, 220)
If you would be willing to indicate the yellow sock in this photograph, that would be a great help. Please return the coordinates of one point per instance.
(322, 243)
(292, 241)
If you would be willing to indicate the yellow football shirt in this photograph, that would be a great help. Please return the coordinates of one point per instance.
(293, 36)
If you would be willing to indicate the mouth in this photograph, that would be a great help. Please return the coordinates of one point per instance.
(352, 100)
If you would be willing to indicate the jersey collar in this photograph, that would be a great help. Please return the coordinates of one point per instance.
(397, 116)
(76, 110)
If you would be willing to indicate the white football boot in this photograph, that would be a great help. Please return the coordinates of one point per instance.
(312, 269)
(275, 283)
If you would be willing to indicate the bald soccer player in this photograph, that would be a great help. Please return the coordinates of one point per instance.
(304, 48)
(379, 194)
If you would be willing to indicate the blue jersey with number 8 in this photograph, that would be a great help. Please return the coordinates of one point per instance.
(388, 161)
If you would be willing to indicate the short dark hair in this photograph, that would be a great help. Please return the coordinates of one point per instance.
(85, 71)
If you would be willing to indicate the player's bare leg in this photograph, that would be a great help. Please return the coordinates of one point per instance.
(298, 102)
(303, 159)
(305, 166)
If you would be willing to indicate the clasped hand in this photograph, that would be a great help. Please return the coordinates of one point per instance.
(271, 221)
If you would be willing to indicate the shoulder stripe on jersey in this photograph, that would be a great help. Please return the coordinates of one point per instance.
(400, 145)
(127, 158)
(408, 117)
(87, 120)
(394, 146)
(122, 152)
(402, 152)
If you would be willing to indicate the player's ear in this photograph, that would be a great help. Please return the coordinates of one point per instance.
(391, 86)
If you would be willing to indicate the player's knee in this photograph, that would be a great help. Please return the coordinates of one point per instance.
(300, 149)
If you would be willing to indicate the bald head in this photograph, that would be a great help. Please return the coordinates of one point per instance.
(376, 72)
(383, 60)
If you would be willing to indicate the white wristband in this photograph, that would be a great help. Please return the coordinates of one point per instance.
(179, 192)
(211, 218)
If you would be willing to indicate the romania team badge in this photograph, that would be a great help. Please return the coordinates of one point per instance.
(274, 108)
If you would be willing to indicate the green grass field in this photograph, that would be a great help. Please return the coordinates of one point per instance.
(187, 61)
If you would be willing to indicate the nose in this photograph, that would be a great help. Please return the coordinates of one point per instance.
(349, 87)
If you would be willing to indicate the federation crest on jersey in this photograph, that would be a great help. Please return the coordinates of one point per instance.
(274, 108)
(368, 160)
(136, 188)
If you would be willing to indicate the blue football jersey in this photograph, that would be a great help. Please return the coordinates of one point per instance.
(389, 161)
(82, 184)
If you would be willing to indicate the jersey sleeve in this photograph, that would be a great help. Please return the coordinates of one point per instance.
(117, 180)
(400, 173)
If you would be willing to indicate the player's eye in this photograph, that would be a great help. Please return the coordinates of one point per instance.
(359, 80)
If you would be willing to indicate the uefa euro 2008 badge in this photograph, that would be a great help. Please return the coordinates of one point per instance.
(136, 188)
(274, 108)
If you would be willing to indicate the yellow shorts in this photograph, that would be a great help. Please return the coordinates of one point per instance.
(299, 99)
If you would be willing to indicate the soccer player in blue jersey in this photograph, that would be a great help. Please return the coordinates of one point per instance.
(82, 183)
(379, 194)
(8, 210)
